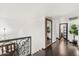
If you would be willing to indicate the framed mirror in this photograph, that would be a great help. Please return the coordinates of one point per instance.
(48, 31)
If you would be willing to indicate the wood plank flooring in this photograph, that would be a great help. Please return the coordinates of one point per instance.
(59, 48)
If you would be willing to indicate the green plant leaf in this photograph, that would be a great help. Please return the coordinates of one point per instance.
(73, 29)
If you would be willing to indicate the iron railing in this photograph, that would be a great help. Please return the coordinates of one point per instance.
(16, 47)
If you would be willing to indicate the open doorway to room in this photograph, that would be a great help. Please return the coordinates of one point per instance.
(63, 30)
(48, 32)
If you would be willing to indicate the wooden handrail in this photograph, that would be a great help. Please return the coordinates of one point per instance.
(14, 39)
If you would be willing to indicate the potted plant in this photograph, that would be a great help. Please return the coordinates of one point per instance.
(48, 31)
(74, 31)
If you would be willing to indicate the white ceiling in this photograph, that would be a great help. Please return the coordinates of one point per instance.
(49, 9)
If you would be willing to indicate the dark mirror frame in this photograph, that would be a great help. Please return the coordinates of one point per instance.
(46, 31)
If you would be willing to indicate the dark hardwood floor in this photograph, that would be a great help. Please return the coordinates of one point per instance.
(59, 48)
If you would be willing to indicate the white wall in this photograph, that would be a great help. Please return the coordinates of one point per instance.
(55, 28)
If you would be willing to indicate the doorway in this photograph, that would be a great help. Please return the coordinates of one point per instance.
(48, 32)
(63, 30)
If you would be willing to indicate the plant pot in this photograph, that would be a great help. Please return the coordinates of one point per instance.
(74, 42)
(48, 38)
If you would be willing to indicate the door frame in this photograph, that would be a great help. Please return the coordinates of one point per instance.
(66, 30)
